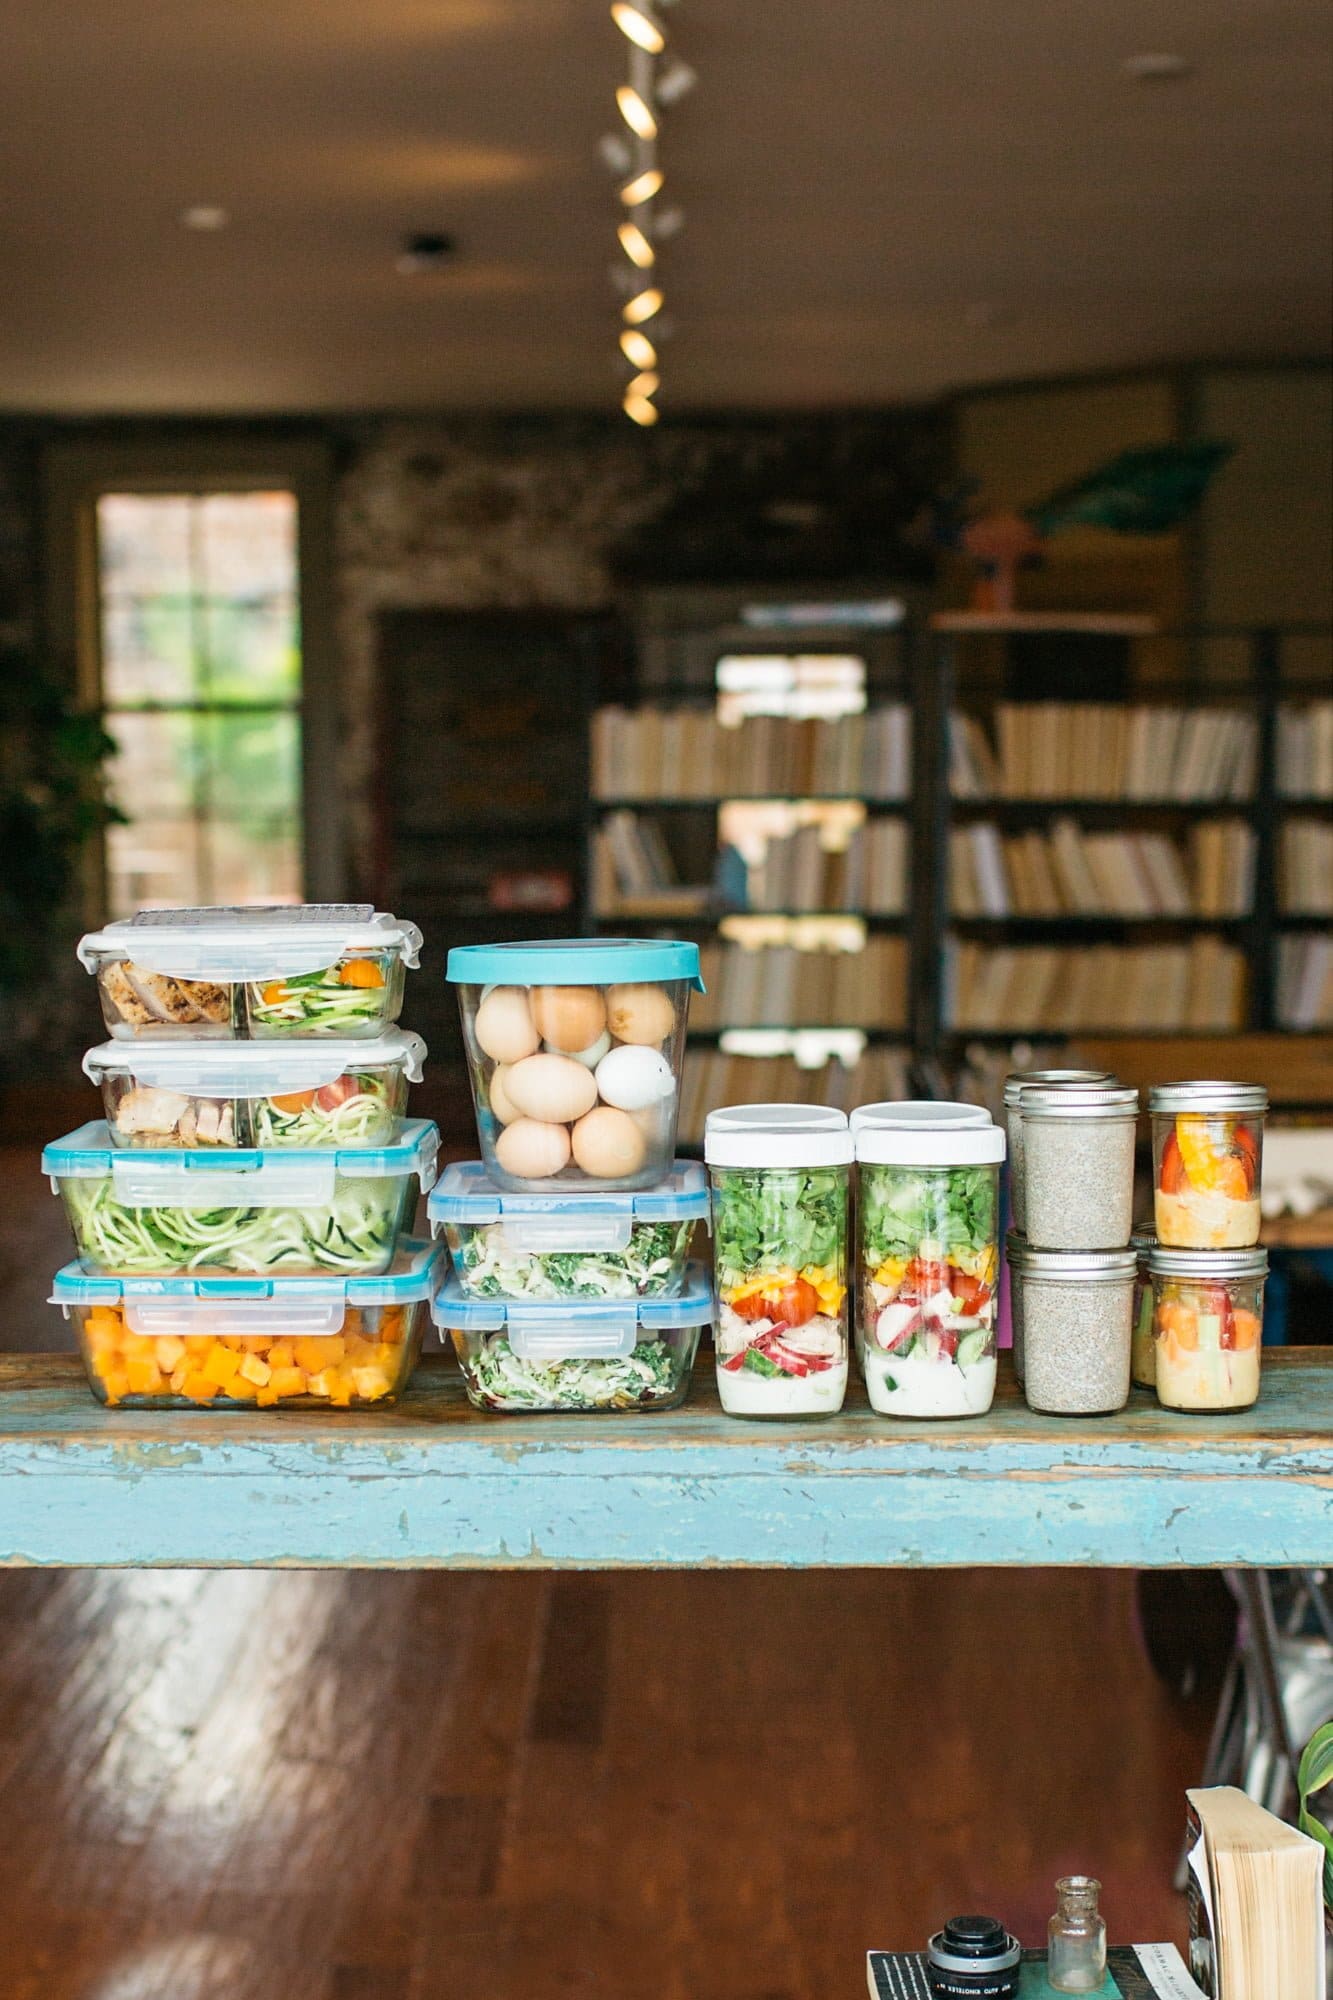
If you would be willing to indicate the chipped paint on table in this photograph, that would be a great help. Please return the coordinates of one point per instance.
(434, 1483)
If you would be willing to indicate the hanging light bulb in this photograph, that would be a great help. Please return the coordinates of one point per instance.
(636, 245)
(634, 110)
(643, 187)
(637, 23)
(642, 306)
(638, 350)
(646, 384)
(639, 409)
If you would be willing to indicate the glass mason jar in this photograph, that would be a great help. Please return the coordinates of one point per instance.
(1015, 1247)
(1078, 1172)
(1076, 1937)
(1014, 1085)
(928, 1262)
(1208, 1315)
(1077, 1307)
(1207, 1158)
(1142, 1351)
(780, 1175)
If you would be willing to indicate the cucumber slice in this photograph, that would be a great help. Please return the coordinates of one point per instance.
(971, 1347)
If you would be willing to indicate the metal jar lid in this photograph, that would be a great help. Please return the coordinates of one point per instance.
(1020, 1079)
(1080, 1267)
(1218, 1266)
(1015, 1245)
(1207, 1097)
(1141, 1241)
(1091, 1101)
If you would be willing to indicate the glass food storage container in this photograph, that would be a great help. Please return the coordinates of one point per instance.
(928, 1262)
(575, 1049)
(1014, 1085)
(1208, 1315)
(166, 1211)
(1077, 1313)
(1078, 1165)
(1142, 1350)
(601, 1354)
(264, 1094)
(780, 1175)
(232, 1343)
(1207, 1156)
(568, 1244)
(251, 974)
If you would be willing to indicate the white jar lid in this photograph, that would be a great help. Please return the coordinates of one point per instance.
(944, 1141)
(777, 1135)
(916, 1113)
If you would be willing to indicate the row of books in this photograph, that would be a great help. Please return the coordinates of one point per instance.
(668, 753)
(801, 871)
(1103, 750)
(1198, 987)
(1068, 871)
(1305, 750)
(783, 987)
(1305, 868)
(716, 1076)
(1305, 982)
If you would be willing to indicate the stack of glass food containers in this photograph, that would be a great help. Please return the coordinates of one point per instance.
(239, 1213)
(569, 1239)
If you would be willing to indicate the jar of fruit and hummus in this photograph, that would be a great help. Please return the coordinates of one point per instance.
(1207, 1152)
(1208, 1321)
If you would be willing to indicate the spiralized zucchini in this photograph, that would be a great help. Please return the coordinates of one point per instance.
(330, 1002)
(370, 1118)
(355, 1233)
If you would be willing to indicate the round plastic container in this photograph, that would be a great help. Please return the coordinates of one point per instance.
(600, 1354)
(1014, 1085)
(928, 1260)
(568, 1245)
(1078, 1165)
(1077, 1311)
(575, 1048)
(1207, 1158)
(222, 974)
(780, 1175)
(1208, 1315)
(270, 1094)
(168, 1212)
(1142, 1352)
(227, 1343)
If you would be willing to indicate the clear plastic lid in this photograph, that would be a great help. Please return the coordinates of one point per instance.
(928, 1135)
(467, 1197)
(240, 1177)
(575, 962)
(561, 1330)
(245, 943)
(253, 1069)
(777, 1135)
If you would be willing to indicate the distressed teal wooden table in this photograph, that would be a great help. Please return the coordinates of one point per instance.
(432, 1483)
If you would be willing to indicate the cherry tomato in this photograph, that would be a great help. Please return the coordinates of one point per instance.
(972, 1294)
(1173, 1179)
(336, 1093)
(792, 1304)
(925, 1275)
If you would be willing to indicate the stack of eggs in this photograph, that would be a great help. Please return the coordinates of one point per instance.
(239, 1213)
(571, 1287)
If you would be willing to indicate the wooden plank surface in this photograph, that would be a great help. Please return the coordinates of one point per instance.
(436, 1484)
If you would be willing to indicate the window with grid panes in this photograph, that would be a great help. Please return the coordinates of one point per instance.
(200, 667)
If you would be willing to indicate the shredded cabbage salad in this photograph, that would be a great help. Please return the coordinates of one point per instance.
(356, 1232)
(656, 1372)
(647, 1267)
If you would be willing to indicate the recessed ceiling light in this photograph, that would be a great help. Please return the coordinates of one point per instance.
(426, 250)
(1157, 66)
(204, 216)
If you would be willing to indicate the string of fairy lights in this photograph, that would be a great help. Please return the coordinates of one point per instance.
(657, 80)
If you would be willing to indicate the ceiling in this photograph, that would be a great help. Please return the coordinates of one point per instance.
(884, 199)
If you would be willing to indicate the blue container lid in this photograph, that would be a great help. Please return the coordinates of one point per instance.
(414, 1276)
(466, 1194)
(575, 962)
(559, 1320)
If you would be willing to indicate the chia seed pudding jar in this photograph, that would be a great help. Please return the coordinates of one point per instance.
(1207, 1158)
(780, 1175)
(1015, 1248)
(1077, 1321)
(1142, 1352)
(1208, 1315)
(1014, 1084)
(928, 1199)
(1078, 1172)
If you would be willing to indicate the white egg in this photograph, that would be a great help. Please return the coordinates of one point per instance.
(532, 1152)
(632, 1078)
(589, 1057)
(504, 1026)
(555, 1089)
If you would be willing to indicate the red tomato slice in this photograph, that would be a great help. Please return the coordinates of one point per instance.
(1172, 1179)
(1245, 1145)
(792, 1304)
(336, 1093)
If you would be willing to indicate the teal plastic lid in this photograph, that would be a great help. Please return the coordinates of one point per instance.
(89, 1153)
(466, 1194)
(453, 1308)
(575, 962)
(414, 1276)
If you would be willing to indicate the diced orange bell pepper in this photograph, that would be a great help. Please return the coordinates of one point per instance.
(274, 993)
(255, 1370)
(1245, 1327)
(280, 1354)
(198, 1388)
(360, 972)
(221, 1367)
(145, 1377)
(288, 1382)
(116, 1384)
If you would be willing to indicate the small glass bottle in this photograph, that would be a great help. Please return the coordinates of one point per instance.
(1076, 1934)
